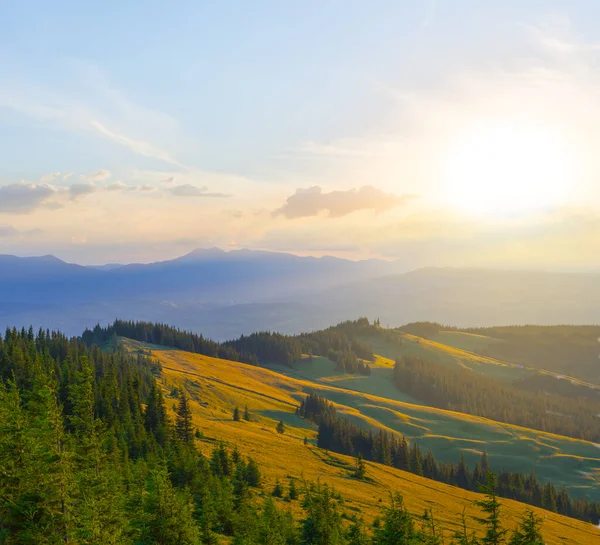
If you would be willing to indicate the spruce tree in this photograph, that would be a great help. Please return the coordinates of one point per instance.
(183, 419)
(236, 414)
(494, 533)
(360, 470)
(281, 427)
(528, 532)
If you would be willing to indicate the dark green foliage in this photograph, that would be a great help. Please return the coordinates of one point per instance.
(398, 527)
(458, 389)
(360, 471)
(292, 491)
(322, 524)
(494, 533)
(236, 414)
(528, 531)
(247, 416)
(277, 490)
(340, 435)
(280, 427)
(183, 419)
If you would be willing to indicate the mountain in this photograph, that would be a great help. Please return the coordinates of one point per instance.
(205, 286)
(225, 294)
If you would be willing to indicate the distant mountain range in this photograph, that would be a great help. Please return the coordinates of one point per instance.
(225, 294)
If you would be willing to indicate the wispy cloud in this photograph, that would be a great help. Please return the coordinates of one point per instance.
(47, 178)
(189, 190)
(138, 146)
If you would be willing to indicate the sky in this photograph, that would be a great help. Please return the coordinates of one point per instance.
(445, 133)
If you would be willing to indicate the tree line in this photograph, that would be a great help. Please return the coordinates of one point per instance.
(340, 435)
(338, 343)
(462, 390)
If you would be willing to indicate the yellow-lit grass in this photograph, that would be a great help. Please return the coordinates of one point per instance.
(222, 385)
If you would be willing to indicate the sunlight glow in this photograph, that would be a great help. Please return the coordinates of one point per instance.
(504, 169)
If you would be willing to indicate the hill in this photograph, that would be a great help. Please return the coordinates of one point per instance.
(217, 386)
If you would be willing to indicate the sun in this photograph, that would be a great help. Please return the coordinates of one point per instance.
(507, 169)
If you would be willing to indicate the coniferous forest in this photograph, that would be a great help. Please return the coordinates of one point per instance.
(338, 434)
(89, 455)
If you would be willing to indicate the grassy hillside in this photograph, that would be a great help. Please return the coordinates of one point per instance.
(217, 386)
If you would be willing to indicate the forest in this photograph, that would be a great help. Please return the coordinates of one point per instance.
(523, 403)
(338, 434)
(559, 408)
(90, 455)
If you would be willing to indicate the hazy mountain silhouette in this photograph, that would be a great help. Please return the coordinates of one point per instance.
(224, 294)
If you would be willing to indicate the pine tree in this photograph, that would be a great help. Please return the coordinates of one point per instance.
(292, 491)
(247, 416)
(360, 470)
(236, 414)
(463, 536)
(277, 490)
(356, 533)
(168, 513)
(398, 527)
(322, 524)
(281, 427)
(494, 533)
(183, 419)
(528, 532)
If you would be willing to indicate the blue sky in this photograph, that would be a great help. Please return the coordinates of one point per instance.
(140, 130)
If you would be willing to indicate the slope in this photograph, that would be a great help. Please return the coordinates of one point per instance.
(217, 386)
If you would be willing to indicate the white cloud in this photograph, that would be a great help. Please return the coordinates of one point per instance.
(47, 178)
(117, 186)
(189, 190)
(67, 176)
(138, 146)
(100, 175)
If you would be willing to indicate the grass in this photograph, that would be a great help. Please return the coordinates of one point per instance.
(217, 386)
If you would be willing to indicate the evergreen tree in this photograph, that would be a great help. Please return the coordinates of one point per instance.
(322, 523)
(277, 490)
(357, 534)
(528, 532)
(494, 533)
(183, 419)
(247, 416)
(398, 527)
(168, 513)
(281, 427)
(360, 471)
(236, 414)
(292, 490)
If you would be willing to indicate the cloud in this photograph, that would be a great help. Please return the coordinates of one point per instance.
(118, 186)
(98, 176)
(138, 146)
(81, 189)
(189, 190)
(169, 180)
(21, 198)
(67, 176)
(147, 188)
(46, 178)
(312, 201)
